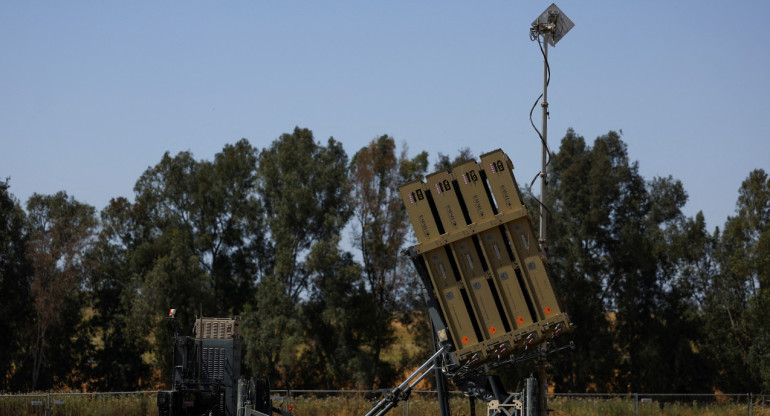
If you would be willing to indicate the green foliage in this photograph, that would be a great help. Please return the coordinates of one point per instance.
(335, 319)
(737, 302)
(443, 162)
(661, 304)
(194, 239)
(117, 359)
(616, 245)
(61, 234)
(381, 230)
(211, 208)
(303, 186)
(15, 272)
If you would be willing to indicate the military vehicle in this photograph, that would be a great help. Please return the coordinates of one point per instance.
(207, 377)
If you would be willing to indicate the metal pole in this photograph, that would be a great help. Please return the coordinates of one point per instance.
(200, 348)
(390, 400)
(241, 397)
(542, 388)
(390, 405)
(442, 393)
(636, 404)
(530, 395)
(543, 172)
(441, 389)
(422, 367)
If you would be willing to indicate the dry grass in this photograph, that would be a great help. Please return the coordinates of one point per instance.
(619, 407)
(81, 405)
(358, 404)
(424, 405)
(418, 405)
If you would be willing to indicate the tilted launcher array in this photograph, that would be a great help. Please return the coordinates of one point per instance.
(482, 264)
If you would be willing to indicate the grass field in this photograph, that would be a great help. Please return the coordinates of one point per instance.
(357, 405)
(424, 406)
(617, 407)
(77, 405)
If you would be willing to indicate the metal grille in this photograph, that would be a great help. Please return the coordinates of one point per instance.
(214, 363)
(218, 328)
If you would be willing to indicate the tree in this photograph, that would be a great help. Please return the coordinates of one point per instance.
(118, 363)
(193, 239)
(61, 233)
(304, 187)
(381, 232)
(215, 205)
(233, 225)
(737, 302)
(616, 248)
(576, 240)
(336, 320)
(15, 274)
(443, 162)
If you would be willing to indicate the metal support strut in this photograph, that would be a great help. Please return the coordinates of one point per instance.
(402, 392)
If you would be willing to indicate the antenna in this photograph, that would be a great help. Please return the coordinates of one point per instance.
(551, 25)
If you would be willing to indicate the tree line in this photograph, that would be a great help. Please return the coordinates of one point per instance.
(660, 302)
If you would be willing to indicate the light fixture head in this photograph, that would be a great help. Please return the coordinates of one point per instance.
(553, 24)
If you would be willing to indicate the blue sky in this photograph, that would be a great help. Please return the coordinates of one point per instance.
(92, 93)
